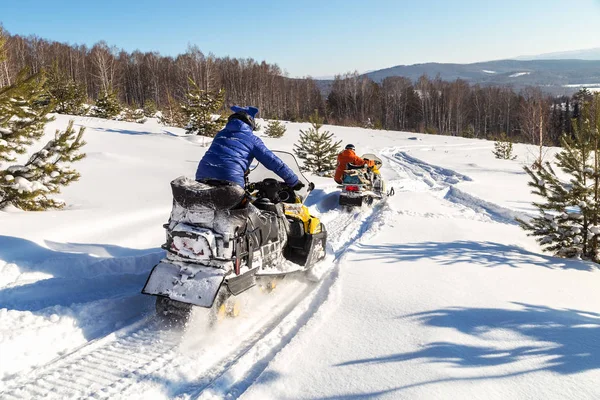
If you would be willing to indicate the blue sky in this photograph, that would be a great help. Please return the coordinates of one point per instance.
(319, 38)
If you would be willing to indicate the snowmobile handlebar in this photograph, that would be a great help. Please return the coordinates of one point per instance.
(275, 190)
(376, 163)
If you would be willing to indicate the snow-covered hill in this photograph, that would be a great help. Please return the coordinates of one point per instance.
(434, 294)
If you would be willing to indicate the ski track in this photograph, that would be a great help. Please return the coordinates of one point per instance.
(120, 363)
(112, 366)
(440, 182)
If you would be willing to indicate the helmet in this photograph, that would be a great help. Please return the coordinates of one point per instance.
(244, 114)
(350, 147)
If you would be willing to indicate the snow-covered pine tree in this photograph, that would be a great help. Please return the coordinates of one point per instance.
(317, 148)
(67, 95)
(503, 148)
(23, 115)
(23, 112)
(107, 105)
(129, 115)
(568, 223)
(202, 110)
(275, 129)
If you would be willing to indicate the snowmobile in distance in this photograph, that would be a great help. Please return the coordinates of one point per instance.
(363, 185)
(216, 249)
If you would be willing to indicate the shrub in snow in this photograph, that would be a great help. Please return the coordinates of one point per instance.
(503, 148)
(107, 105)
(23, 115)
(317, 148)
(201, 109)
(569, 214)
(275, 129)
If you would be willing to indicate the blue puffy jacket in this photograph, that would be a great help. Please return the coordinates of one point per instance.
(232, 151)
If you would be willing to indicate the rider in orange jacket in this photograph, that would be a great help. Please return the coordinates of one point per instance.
(348, 156)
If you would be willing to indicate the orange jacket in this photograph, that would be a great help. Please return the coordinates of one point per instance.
(349, 157)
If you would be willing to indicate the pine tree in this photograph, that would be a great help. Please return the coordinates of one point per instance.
(150, 108)
(317, 148)
(568, 223)
(172, 114)
(23, 115)
(202, 110)
(139, 116)
(275, 129)
(503, 148)
(67, 95)
(107, 105)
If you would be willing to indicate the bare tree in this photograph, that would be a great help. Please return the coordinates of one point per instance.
(104, 66)
(533, 120)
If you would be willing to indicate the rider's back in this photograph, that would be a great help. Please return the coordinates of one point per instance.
(229, 154)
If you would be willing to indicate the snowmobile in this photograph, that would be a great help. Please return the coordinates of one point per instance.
(363, 185)
(217, 250)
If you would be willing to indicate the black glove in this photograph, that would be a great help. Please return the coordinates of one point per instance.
(298, 186)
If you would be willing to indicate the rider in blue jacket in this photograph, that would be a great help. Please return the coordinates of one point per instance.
(233, 149)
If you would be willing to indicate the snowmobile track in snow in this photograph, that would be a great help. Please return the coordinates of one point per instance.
(111, 366)
(119, 364)
(443, 180)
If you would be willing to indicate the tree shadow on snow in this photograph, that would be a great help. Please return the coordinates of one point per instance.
(489, 254)
(78, 273)
(123, 131)
(564, 341)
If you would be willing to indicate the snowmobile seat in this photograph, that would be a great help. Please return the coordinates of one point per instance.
(206, 195)
(352, 166)
(354, 177)
(266, 205)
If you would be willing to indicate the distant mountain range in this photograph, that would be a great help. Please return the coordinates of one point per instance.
(585, 54)
(547, 71)
(555, 76)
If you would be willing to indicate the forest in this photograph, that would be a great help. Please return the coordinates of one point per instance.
(429, 105)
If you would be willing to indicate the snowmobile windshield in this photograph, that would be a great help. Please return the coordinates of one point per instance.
(259, 172)
(369, 156)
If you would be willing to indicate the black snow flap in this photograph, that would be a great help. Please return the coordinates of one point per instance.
(193, 285)
(351, 201)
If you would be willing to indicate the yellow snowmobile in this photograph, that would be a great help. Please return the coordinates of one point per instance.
(215, 251)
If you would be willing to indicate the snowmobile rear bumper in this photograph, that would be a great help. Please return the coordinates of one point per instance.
(189, 284)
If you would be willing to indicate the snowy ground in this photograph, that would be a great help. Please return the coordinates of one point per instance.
(435, 294)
